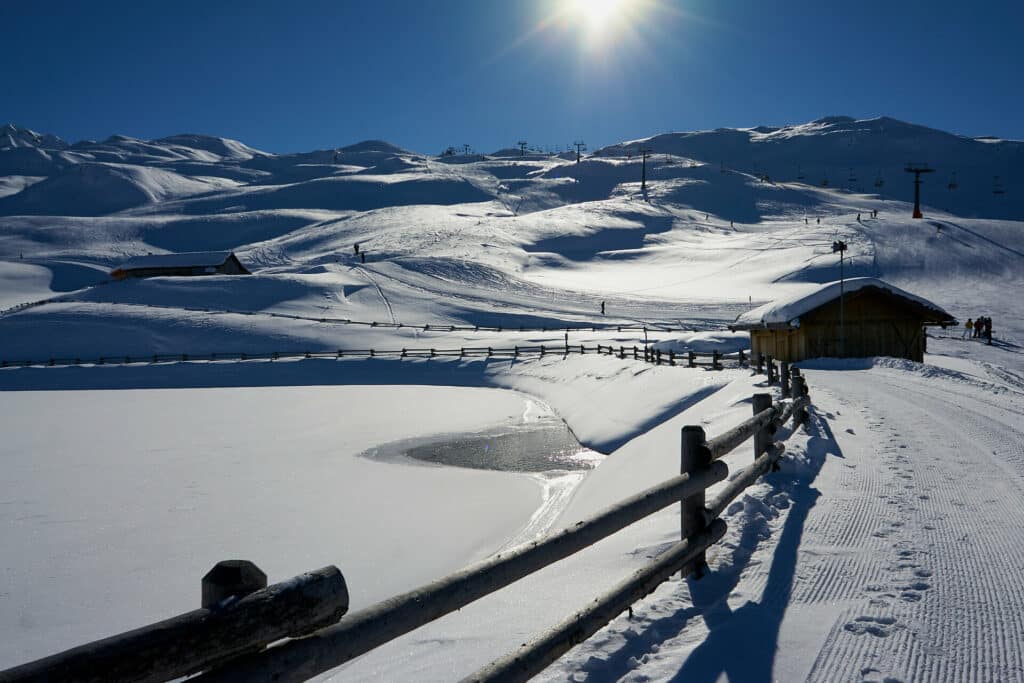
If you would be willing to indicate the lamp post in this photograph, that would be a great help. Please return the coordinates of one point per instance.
(841, 247)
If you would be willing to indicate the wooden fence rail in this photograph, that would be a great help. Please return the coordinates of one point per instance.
(646, 354)
(227, 640)
(200, 639)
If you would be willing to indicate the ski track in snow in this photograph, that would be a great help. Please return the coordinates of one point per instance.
(387, 304)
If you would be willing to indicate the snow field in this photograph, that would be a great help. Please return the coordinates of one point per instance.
(883, 550)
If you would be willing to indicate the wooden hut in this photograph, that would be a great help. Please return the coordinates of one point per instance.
(184, 264)
(880, 320)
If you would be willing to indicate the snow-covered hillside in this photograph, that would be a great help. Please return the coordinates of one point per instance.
(154, 472)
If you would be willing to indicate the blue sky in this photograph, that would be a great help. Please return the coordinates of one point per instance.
(425, 74)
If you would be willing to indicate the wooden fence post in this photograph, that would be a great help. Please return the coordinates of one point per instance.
(800, 416)
(695, 458)
(762, 437)
(760, 362)
(691, 359)
(786, 391)
(770, 367)
(231, 578)
(671, 357)
(714, 360)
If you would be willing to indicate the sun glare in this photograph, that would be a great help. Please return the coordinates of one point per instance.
(598, 15)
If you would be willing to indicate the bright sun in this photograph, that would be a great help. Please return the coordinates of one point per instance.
(598, 15)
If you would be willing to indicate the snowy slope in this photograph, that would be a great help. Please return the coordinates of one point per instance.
(814, 560)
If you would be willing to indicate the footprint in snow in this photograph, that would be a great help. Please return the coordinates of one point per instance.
(872, 675)
(880, 627)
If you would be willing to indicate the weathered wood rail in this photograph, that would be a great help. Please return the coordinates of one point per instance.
(224, 628)
(227, 640)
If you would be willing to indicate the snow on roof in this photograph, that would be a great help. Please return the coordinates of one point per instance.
(788, 311)
(197, 259)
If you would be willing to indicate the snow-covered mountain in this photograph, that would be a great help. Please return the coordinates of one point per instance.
(13, 136)
(865, 155)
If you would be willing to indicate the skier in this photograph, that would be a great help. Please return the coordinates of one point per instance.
(968, 328)
(858, 218)
(356, 248)
(362, 257)
(602, 308)
(988, 331)
(819, 220)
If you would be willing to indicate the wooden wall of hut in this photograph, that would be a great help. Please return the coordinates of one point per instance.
(876, 325)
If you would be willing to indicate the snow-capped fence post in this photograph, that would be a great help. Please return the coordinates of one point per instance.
(786, 391)
(694, 458)
(763, 436)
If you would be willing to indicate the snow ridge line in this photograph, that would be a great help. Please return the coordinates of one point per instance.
(426, 327)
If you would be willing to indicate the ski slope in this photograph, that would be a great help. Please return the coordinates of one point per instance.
(883, 550)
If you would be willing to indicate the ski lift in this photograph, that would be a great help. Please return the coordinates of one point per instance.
(953, 184)
(997, 187)
(879, 181)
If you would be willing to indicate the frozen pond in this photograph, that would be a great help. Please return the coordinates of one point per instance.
(543, 445)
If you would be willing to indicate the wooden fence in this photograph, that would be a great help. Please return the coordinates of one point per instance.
(237, 652)
(649, 354)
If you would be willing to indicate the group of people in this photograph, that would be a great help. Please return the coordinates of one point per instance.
(979, 328)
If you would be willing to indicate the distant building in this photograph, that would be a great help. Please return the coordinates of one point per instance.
(188, 264)
(880, 320)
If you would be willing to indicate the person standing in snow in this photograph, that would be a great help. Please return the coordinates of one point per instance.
(988, 330)
(362, 257)
(602, 308)
(968, 328)
(356, 247)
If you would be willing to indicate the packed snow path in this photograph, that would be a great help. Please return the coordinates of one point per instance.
(918, 530)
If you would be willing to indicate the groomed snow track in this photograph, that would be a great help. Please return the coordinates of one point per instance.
(921, 538)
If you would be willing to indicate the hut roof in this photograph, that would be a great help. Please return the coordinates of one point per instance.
(787, 312)
(190, 259)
